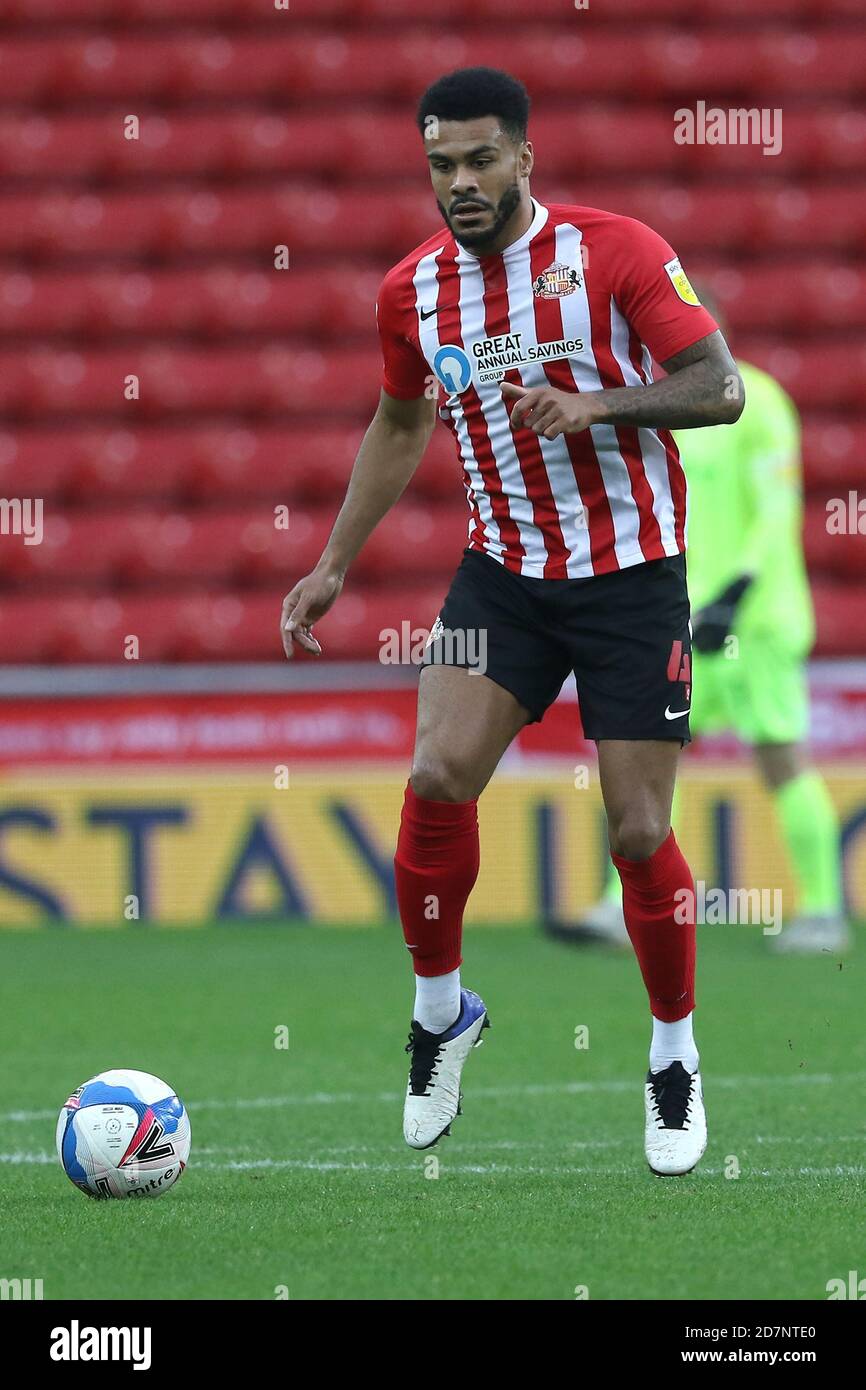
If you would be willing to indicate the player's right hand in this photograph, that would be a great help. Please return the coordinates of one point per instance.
(306, 604)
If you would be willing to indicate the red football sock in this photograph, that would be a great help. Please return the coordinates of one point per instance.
(664, 943)
(435, 867)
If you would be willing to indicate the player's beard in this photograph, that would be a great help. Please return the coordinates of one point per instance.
(505, 210)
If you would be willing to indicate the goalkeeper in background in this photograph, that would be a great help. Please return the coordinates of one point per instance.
(747, 581)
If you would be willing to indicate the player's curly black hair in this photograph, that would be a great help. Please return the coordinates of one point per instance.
(471, 92)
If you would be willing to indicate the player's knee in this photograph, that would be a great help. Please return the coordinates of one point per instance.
(637, 837)
(441, 780)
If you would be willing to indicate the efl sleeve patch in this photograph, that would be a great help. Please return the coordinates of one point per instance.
(680, 282)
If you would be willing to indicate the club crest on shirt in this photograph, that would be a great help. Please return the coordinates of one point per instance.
(556, 281)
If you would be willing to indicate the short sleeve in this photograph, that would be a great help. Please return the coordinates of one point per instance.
(405, 371)
(653, 292)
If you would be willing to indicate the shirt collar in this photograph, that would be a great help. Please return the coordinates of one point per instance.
(540, 216)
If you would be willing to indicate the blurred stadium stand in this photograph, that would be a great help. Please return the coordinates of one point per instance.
(262, 128)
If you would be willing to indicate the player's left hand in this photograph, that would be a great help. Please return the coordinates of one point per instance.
(550, 412)
(712, 624)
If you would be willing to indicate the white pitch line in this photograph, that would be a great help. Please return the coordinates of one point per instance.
(806, 1139)
(28, 1158)
(481, 1093)
(524, 1146)
(316, 1165)
(489, 1169)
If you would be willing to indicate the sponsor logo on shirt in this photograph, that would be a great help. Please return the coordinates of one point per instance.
(496, 356)
(491, 358)
(556, 281)
(680, 282)
(452, 368)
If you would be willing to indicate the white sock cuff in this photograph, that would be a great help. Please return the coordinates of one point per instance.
(437, 1001)
(673, 1042)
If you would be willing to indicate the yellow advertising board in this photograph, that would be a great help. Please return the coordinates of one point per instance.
(190, 848)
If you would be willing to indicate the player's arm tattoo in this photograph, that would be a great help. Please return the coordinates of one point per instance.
(703, 387)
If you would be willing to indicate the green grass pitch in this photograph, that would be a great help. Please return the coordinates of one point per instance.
(299, 1178)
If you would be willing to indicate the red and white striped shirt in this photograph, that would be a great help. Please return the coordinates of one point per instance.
(582, 301)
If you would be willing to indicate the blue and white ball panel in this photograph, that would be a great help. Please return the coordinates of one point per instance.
(139, 1086)
(123, 1133)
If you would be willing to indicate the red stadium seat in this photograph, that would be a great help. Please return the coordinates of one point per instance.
(28, 627)
(217, 626)
(278, 555)
(217, 302)
(824, 375)
(830, 551)
(178, 381)
(100, 630)
(155, 258)
(46, 458)
(58, 225)
(29, 68)
(228, 626)
(310, 463)
(777, 297)
(610, 138)
(34, 305)
(171, 547)
(452, 13)
(840, 615)
(415, 540)
(126, 462)
(700, 218)
(834, 448)
(827, 217)
(834, 140)
(356, 627)
(314, 145)
(88, 628)
(80, 549)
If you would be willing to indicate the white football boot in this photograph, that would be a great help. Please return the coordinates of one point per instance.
(809, 936)
(676, 1125)
(433, 1094)
(602, 922)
